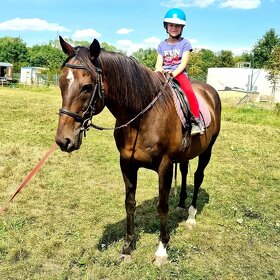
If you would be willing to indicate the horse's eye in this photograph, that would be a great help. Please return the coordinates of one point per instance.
(87, 88)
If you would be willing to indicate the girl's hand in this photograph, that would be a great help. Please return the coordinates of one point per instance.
(169, 72)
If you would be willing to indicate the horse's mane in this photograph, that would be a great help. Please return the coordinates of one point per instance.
(129, 83)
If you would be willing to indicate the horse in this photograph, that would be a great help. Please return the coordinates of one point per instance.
(148, 132)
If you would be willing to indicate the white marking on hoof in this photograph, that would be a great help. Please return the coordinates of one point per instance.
(191, 218)
(161, 251)
(161, 255)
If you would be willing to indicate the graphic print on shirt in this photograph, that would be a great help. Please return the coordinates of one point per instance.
(172, 57)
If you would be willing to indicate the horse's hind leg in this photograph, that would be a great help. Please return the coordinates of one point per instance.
(203, 161)
(183, 192)
(129, 173)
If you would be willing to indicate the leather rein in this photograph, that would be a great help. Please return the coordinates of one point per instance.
(98, 91)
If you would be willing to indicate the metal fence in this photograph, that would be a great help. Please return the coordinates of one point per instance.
(41, 79)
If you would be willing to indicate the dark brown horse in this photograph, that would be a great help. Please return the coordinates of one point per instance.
(149, 130)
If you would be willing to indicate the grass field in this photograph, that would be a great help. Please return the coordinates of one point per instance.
(69, 221)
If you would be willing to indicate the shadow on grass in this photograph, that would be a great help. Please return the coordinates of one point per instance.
(147, 220)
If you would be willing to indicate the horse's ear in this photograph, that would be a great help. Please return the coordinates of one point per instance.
(66, 47)
(94, 49)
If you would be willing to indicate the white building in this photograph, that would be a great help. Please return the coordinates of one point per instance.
(243, 79)
(31, 75)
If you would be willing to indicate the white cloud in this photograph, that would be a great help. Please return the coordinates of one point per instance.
(241, 4)
(35, 24)
(129, 47)
(125, 31)
(187, 3)
(85, 34)
(234, 4)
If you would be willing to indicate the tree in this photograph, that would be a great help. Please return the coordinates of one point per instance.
(56, 44)
(244, 57)
(209, 59)
(199, 63)
(108, 47)
(46, 56)
(195, 70)
(263, 48)
(104, 45)
(273, 68)
(13, 50)
(147, 57)
(225, 59)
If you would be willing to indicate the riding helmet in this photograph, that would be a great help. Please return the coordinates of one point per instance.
(176, 16)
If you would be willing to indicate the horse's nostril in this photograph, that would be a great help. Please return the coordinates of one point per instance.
(63, 143)
(67, 142)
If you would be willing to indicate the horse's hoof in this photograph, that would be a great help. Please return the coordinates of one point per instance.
(190, 223)
(125, 258)
(159, 261)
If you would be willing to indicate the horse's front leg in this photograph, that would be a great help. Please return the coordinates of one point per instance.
(129, 173)
(165, 179)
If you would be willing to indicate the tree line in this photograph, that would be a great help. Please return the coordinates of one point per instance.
(265, 54)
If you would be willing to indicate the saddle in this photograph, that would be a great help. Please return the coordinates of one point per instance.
(182, 104)
(183, 107)
(184, 113)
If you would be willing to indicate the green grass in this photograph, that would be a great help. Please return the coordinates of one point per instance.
(69, 221)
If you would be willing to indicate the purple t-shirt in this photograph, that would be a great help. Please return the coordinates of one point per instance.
(172, 54)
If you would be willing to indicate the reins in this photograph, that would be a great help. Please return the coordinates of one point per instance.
(132, 120)
(167, 78)
(29, 176)
(138, 115)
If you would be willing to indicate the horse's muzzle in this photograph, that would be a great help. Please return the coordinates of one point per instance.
(67, 144)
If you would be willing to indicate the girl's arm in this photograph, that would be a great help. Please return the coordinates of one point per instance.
(159, 63)
(183, 65)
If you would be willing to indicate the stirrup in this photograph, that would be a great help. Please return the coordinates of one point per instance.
(197, 127)
(195, 130)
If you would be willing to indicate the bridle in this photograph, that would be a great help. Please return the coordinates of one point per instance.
(98, 92)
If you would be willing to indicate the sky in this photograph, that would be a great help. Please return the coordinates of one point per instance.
(234, 25)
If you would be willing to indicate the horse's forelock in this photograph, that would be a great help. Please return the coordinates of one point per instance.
(82, 55)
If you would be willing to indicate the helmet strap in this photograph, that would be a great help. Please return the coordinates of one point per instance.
(175, 37)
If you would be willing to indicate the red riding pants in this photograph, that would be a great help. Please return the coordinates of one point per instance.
(187, 88)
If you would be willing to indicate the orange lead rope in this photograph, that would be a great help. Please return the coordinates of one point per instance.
(30, 175)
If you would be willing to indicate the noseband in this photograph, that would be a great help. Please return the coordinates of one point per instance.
(98, 91)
